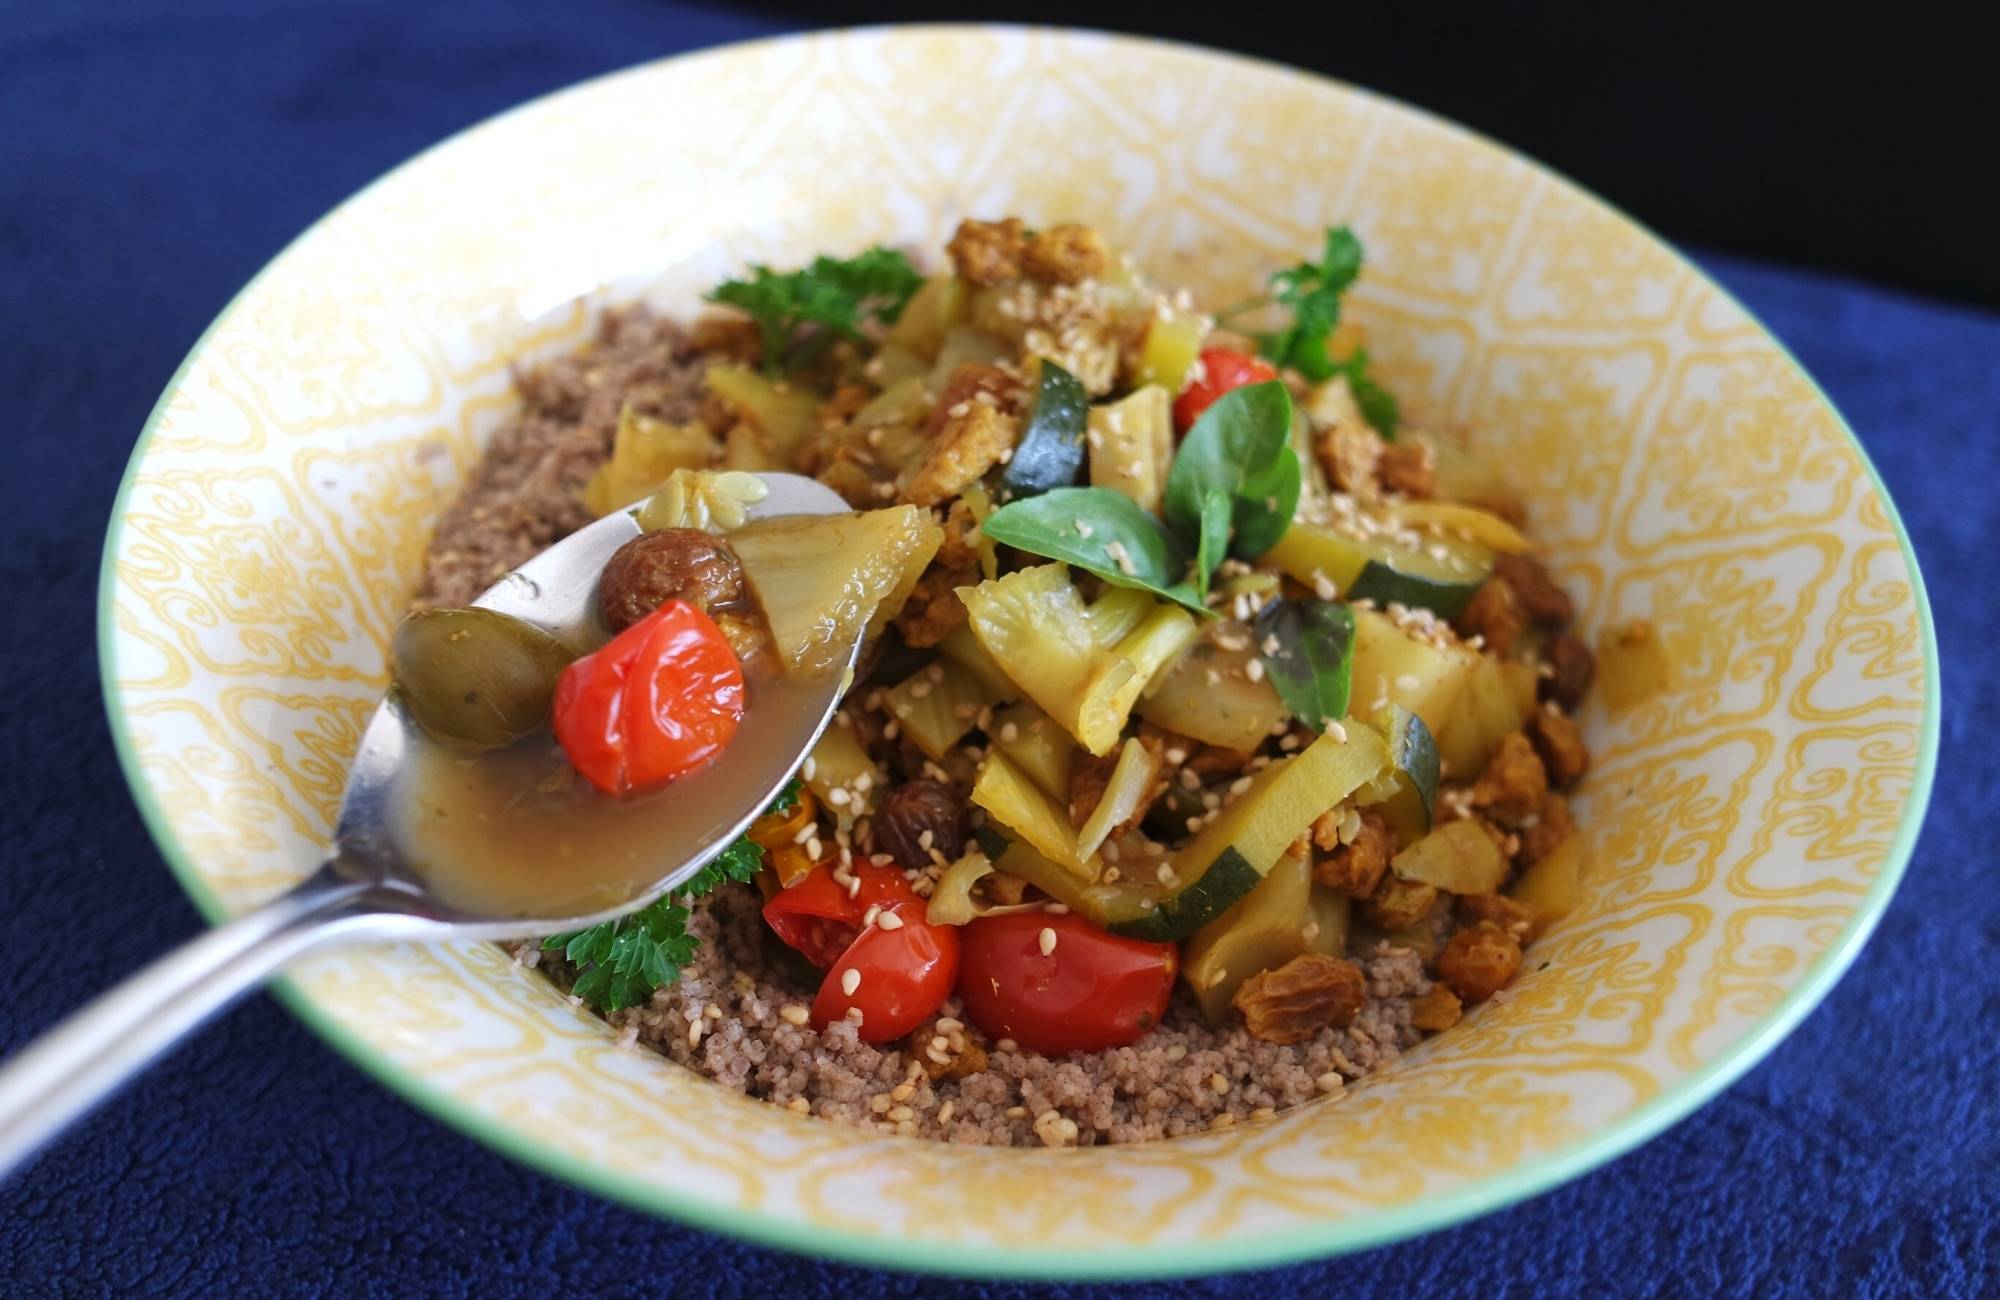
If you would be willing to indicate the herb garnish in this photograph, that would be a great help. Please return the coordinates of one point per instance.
(1238, 455)
(621, 961)
(1308, 651)
(1102, 532)
(1312, 291)
(801, 313)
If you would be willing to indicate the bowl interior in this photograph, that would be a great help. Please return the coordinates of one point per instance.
(1745, 827)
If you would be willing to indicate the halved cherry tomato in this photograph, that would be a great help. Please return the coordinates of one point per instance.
(1221, 370)
(1090, 991)
(661, 699)
(901, 972)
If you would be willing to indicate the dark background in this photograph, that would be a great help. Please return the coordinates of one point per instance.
(1858, 138)
(155, 153)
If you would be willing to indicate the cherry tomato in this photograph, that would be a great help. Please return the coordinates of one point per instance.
(1092, 990)
(900, 972)
(661, 699)
(1222, 369)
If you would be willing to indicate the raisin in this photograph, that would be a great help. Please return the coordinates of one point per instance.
(919, 818)
(673, 564)
(1305, 995)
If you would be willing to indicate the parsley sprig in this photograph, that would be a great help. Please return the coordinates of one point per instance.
(801, 313)
(1312, 291)
(620, 962)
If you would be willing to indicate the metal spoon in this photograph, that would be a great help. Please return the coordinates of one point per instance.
(365, 888)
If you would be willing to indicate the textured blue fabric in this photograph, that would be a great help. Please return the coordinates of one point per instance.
(153, 155)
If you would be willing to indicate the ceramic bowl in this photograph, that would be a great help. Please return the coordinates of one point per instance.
(1746, 828)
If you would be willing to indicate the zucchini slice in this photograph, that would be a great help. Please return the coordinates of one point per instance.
(1406, 791)
(1227, 858)
(1440, 574)
(1050, 452)
(1448, 517)
(1263, 931)
(1131, 445)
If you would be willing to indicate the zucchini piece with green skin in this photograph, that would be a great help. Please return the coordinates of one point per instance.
(1406, 791)
(1440, 575)
(1051, 449)
(1228, 856)
(1264, 930)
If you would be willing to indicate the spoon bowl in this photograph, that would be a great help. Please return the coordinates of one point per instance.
(373, 882)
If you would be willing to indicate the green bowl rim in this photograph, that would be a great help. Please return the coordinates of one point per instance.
(1350, 1233)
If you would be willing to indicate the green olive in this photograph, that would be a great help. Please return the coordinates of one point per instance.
(476, 678)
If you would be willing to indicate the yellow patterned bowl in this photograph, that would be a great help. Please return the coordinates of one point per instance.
(1746, 828)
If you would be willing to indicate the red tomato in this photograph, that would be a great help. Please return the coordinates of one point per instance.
(1222, 369)
(1091, 991)
(900, 974)
(660, 700)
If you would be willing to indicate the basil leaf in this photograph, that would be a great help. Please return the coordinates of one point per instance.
(1241, 448)
(1308, 652)
(1214, 538)
(1082, 526)
(1264, 511)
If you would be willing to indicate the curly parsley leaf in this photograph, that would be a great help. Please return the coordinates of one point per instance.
(799, 313)
(1312, 291)
(623, 960)
(739, 862)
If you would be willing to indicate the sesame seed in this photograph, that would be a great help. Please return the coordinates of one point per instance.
(1331, 1082)
(949, 1025)
(1263, 1112)
(1216, 979)
(850, 980)
(837, 797)
(1017, 1112)
(1254, 670)
(812, 766)
(925, 840)
(880, 1103)
(944, 1112)
(1335, 730)
(1083, 529)
(794, 1014)
(1177, 1051)
(1240, 785)
(889, 921)
(868, 917)
(1408, 682)
(1219, 1084)
(1166, 871)
(1006, 1045)
(1009, 734)
(1224, 1120)
(813, 847)
(799, 1104)
(900, 1113)
(1046, 941)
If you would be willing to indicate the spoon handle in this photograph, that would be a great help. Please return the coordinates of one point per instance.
(73, 1067)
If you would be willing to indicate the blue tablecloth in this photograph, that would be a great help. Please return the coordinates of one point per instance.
(153, 155)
